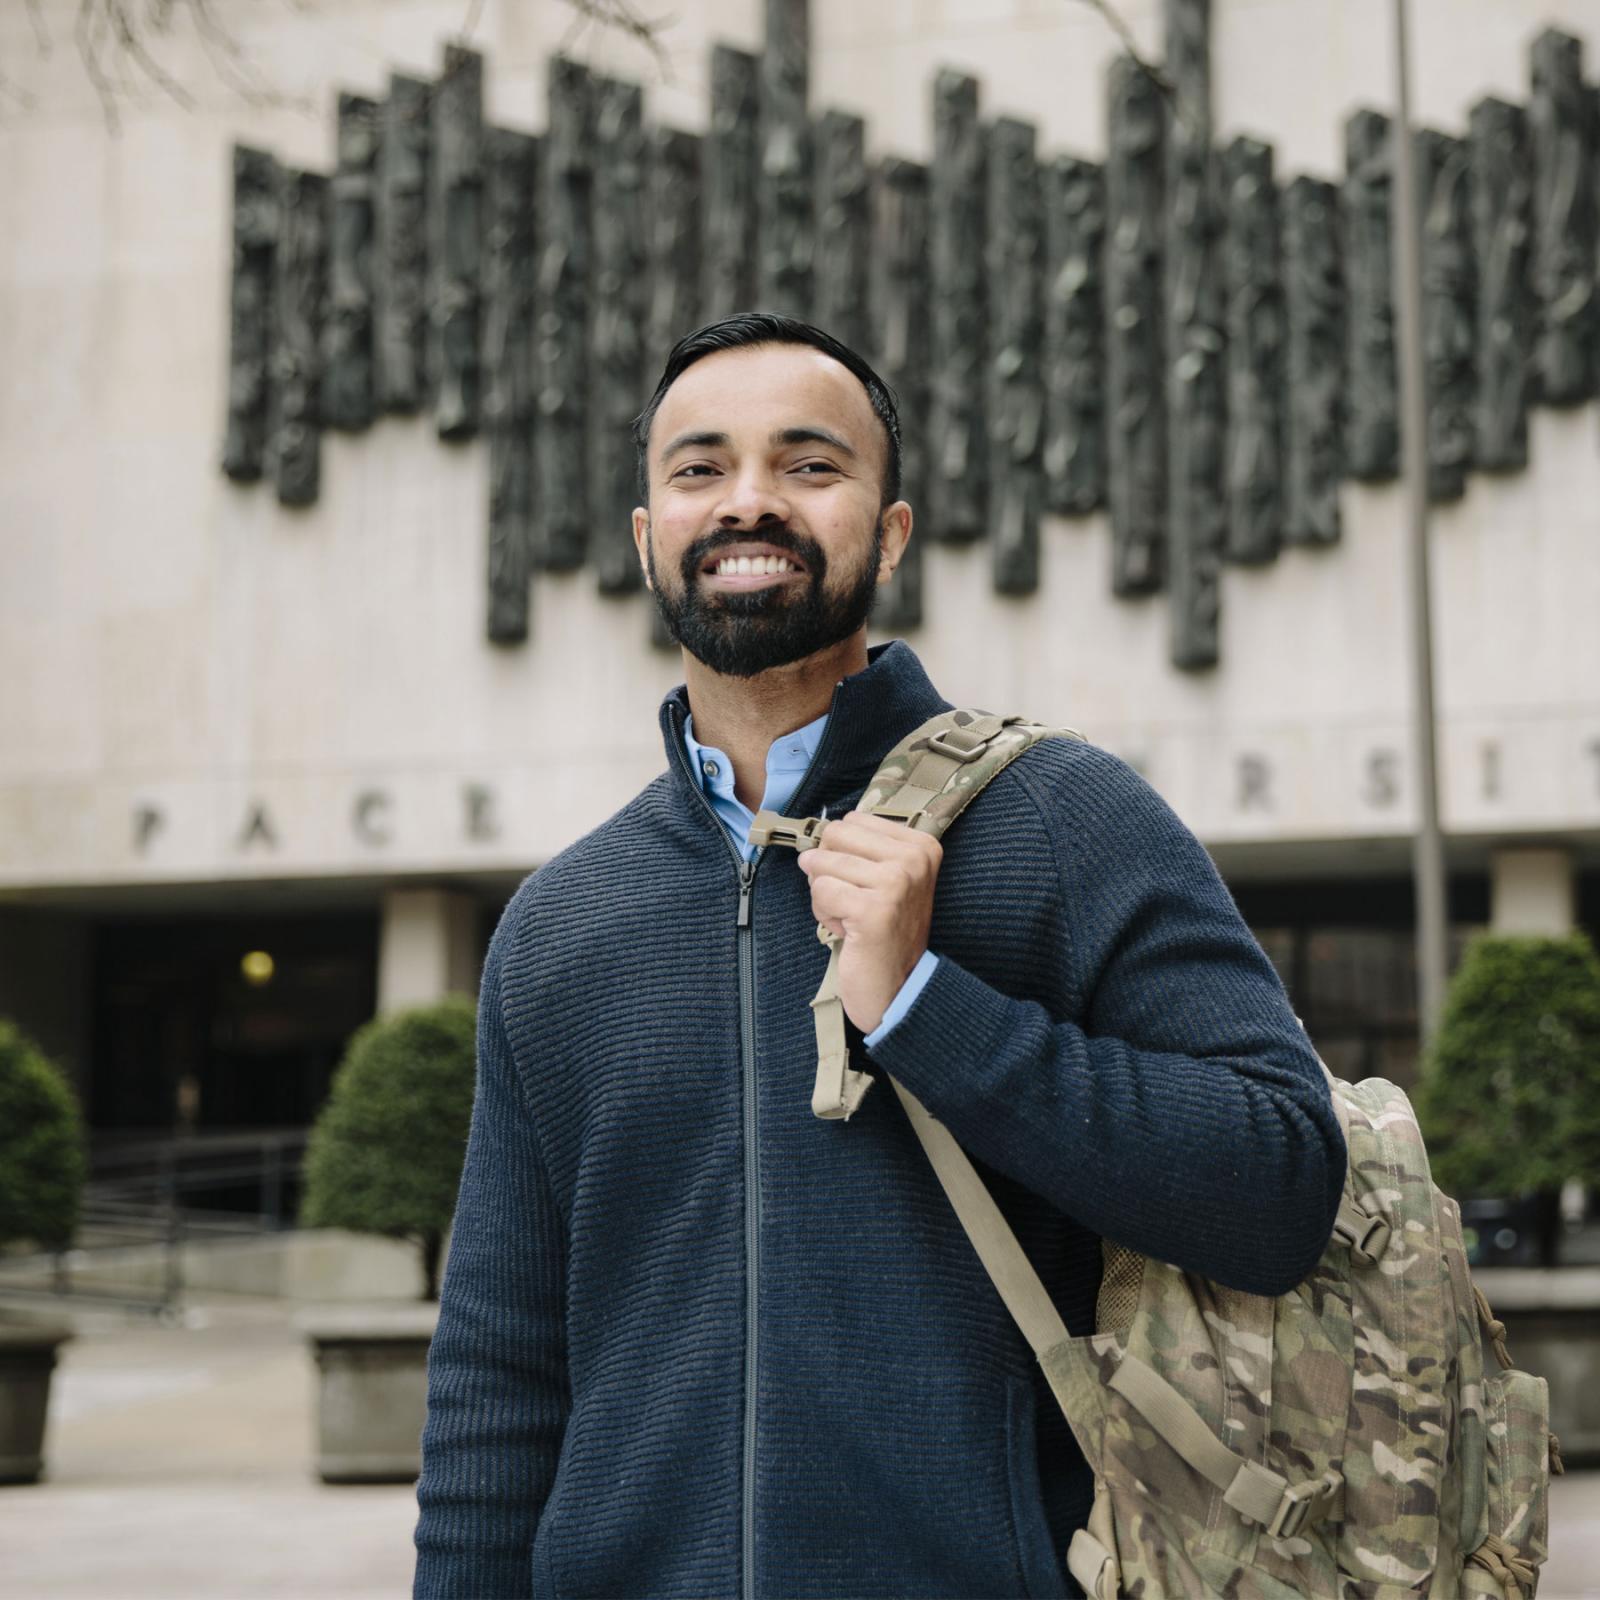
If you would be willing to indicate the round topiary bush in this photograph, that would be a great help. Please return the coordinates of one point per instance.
(1510, 1094)
(43, 1158)
(386, 1151)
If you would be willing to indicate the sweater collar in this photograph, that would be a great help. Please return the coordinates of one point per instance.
(871, 712)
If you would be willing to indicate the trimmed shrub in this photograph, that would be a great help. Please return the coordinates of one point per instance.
(44, 1163)
(386, 1151)
(1510, 1095)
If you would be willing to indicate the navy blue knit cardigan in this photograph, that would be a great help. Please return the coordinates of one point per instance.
(694, 1341)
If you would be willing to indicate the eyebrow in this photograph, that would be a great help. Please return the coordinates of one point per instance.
(784, 436)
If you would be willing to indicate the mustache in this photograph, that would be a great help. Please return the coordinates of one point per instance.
(807, 551)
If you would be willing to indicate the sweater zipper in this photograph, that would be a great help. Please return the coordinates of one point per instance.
(745, 933)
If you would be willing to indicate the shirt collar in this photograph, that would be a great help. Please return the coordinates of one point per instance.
(790, 752)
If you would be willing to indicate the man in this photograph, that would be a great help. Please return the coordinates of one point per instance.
(694, 1340)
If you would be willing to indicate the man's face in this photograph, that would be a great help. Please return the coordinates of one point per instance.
(764, 540)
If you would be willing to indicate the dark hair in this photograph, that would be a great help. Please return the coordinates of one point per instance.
(767, 327)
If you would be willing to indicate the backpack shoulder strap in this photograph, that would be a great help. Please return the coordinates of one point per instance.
(926, 781)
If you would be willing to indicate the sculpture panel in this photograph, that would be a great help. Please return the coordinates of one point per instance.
(1561, 115)
(841, 272)
(1074, 336)
(301, 287)
(455, 243)
(400, 281)
(255, 239)
(561, 359)
(1136, 450)
(732, 167)
(617, 322)
(1449, 306)
(899, 288)
(347, 381)
(1015, 399)
(784, 201)
(1372, 421)
(1314, 315)
(1253, 260)
(1502, 230)
(673, 200)
(511, 175)
(1195, 311)
(957, 487)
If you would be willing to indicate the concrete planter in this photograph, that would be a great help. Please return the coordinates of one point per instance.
(1552, 1320)
(372, 1390)
(27, 1358)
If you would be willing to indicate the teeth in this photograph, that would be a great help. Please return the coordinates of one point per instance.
(754, 566)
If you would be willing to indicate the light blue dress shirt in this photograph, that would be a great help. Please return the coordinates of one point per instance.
(787, 760)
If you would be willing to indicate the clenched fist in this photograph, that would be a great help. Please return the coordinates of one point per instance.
(872, 881)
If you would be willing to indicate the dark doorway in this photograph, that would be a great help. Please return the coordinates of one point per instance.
(211, 1023)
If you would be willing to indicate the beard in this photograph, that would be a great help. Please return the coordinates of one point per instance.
(744, 633)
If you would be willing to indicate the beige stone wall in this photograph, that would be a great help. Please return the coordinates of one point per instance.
(180, 656)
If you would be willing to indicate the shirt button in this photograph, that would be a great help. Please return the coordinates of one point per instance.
(712, 770)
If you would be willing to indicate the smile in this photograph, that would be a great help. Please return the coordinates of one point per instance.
(752, 568)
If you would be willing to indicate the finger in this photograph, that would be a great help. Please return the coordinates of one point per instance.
(862, 870)
(836, 903)
(871, 837)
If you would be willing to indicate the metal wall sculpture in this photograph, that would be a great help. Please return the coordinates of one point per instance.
(1196, 386)
(898, 285)
(1253, 274)
(1173, 336)
(509, 261)
(455, 243)
(957, 465)
(561, 356)
(1372, 417)
(400, 288)
(1314, 326)
(1449, 308)
(1074, 337)
(1502, 237)
(250, 312)
(1562, 114)
(1136, 402)
(347, 378)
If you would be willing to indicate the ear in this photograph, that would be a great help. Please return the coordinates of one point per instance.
(641, 541)
(896, 536)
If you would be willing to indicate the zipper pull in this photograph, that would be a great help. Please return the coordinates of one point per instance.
(747, 872)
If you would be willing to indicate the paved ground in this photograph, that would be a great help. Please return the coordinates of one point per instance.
(180, 1467)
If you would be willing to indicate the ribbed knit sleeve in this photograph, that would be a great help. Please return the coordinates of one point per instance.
(1179, 1109)
(497, 1366)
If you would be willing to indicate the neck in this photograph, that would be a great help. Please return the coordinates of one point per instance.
(742, 716)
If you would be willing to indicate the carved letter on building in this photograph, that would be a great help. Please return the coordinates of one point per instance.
(1135, 367)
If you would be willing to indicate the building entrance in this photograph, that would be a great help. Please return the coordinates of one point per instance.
(214, 1023)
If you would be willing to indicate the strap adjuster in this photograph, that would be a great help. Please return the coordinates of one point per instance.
(798, 833)
(959, 744)
(1300, 1502)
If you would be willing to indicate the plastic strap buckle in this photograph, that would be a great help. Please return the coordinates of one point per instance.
(798, 833)
(1300, 1502)
(959, 744)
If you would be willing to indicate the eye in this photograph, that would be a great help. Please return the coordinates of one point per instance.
(820, 466)
(695, 466)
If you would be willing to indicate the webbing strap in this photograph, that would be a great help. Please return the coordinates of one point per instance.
(1003, 1259)
(839, 1088)
(943, 756)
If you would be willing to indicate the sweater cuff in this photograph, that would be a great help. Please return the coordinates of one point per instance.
(916, 982)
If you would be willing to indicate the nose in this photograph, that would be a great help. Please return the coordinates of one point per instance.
(752, 500)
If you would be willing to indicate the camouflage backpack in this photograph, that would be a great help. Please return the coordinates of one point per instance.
(1342, 1440)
